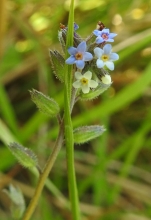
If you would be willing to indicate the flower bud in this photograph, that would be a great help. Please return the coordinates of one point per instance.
(45, 104)
(106, 79)
(86, 133)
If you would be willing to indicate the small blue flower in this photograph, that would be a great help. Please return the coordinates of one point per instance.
(76, 26)
(79, 55)
(105, 57)
(104, 36)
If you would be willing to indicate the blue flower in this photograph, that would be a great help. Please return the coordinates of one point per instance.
(104, 36)
(79, 55)
(76, 26)
(105, 57)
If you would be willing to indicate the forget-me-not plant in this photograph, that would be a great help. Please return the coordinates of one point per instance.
(81, 66)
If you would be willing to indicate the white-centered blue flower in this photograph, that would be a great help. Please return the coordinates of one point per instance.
(84, 81)
(79, 55)
(104, 36)
(105, 57)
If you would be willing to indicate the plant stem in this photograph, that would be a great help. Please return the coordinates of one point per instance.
(45, 174)
(69, 139)
(70, 159)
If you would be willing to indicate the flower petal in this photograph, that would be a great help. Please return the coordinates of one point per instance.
(76, 84)
(76, 26)
(80, 64)
(114, 56)
(99, 40)
(88, 75)
(110, 65)
(109, 40)
(87, 56)
(85, 89)
(78, 75)
(72, 50)
(107, 48)
(111, 35)
(93, 84)
(82, 47)
(96, 32)
(70, 60)
(99, 63)
(98, 52)
(106, 31)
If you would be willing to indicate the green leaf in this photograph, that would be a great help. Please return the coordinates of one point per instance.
(25, 156)
(45, 104)
(18, 202)
(95, 93)
(57, 64)
(86, 133)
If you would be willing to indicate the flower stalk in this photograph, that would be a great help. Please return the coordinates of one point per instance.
(69, 139)
(44, 174)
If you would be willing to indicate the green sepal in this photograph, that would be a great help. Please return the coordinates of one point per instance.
(45, 104)
(57, 64)
(95, 93)
(17, 202)
(86, 133)
(24, 155)
(90, 40)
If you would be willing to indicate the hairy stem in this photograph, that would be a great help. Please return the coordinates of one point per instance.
(69, 139)
(45, 174)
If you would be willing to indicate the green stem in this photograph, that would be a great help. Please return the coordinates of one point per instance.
(69, 139)
(70, 159)
(44, 175)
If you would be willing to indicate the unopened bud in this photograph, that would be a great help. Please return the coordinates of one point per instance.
(106, 79)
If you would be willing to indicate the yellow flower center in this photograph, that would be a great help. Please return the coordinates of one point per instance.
(84, 81)
(79, 56)
(105, 57)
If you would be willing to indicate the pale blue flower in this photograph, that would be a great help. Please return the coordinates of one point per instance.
(79, 55)
(105, 57)
(104, 36)
(84, 81)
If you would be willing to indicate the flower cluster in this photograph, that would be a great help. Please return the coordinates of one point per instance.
(103, 55)
(83, 56)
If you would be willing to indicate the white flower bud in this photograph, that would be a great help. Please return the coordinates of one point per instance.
(106, 79)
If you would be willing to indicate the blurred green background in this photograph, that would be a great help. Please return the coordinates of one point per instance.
(114, 171)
